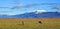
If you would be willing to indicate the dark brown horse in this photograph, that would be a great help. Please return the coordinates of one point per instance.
(40, 22)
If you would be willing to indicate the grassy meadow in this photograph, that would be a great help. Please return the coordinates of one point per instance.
(29, 23)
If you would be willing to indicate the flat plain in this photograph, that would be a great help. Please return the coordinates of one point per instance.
(29, 23)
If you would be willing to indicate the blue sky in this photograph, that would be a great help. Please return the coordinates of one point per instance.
(7, 3)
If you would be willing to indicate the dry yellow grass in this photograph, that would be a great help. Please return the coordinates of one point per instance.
(30, 23)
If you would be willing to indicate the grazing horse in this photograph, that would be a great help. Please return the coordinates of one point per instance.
(40, 22)
(22, 22)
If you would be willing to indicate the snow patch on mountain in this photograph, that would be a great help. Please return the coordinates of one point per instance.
(39, 11)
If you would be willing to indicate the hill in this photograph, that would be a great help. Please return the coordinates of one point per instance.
(34, 15)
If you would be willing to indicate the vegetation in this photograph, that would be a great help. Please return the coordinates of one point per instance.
(29, 23)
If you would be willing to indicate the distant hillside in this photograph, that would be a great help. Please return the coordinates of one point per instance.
(39, 15)
(34, 15)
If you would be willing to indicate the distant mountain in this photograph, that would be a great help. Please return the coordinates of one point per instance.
(34, 15)
(39, 15)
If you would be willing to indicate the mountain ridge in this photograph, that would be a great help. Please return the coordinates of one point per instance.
(40, 15)
(34, 15)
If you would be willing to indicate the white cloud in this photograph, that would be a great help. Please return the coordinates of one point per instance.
(6, 14)
(20, 5)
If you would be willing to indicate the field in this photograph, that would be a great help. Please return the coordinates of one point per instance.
(29, 23)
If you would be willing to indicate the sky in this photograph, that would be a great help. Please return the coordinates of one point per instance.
(42, 5)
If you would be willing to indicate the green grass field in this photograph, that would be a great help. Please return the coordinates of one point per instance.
(29, 23)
